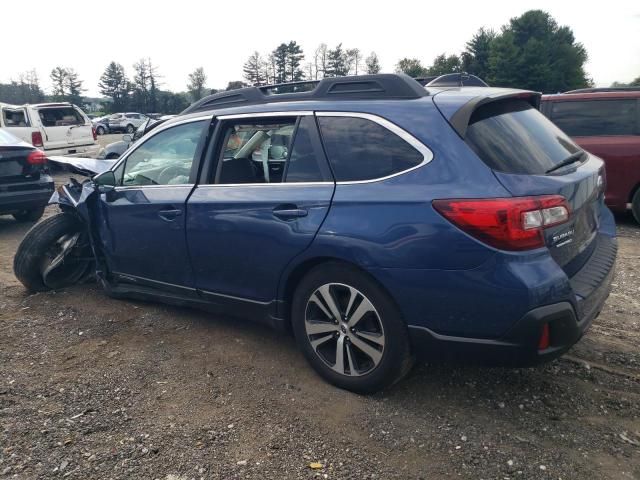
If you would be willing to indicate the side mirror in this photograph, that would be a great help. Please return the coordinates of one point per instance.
(105, 182)
(127, 138)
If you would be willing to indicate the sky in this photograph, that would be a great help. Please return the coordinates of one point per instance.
(179, 36)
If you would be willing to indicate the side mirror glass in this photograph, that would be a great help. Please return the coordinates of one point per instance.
(106, 181)
(127, 138)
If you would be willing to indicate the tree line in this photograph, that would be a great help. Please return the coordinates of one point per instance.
(531, 51)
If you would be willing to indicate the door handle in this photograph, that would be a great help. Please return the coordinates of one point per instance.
(289, 212)
(169, 215)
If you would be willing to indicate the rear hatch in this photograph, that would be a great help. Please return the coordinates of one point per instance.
(65, 127)
(530, 156)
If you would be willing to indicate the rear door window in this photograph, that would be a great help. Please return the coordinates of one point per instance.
(513, 137)
(596, 117)
(361, 149)
(60, 117)
(15, 117)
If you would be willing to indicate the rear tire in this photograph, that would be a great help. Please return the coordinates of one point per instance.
(36, 249)
(363, 353)
(130, 129)
(29, 215)
(100, 131)
(635, 205)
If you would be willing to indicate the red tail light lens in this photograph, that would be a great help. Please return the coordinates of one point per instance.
(545, 338)
(95, 134)
(37, 157)
(36, 139)
(515, 223)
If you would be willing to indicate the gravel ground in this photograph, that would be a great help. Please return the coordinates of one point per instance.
(92, 387)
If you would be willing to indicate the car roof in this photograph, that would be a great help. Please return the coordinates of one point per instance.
(568, 97)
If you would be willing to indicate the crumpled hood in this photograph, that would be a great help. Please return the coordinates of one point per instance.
(83, 166)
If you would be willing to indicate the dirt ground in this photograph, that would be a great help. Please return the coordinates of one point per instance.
(92, 387)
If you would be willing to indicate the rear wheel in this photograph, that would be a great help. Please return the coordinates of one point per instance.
(100, 131)
(130, 128)
(635, 206)
(29, 215)
(349, 329)
(55, 253)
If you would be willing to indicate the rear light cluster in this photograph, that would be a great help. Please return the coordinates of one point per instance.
(36, 157)
(36, 139)
(514, 224)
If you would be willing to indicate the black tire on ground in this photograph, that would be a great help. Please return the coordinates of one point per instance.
(33, 250)
(635, 205)
(130, 129)
(29, 215)
(396, 360)
(100, 131)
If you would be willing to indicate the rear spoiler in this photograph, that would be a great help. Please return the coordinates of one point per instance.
(460, 120)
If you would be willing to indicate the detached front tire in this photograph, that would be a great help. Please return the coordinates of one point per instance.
(349, 329)
(53, 254)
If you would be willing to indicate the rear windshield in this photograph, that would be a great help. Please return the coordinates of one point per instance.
(60, 117)
(511, 136)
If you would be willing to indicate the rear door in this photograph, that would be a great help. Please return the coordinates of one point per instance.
(142, 222)
(610, 129)
(16, 121)
(260, 206)
(65, 127)
(525, 152)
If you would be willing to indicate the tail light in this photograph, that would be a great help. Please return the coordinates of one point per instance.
(545, 338)
(514, 224)
(37, 157)
(36, 139)
(95, 134)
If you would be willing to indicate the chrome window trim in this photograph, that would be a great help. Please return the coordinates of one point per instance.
(427, 154)
(153, 133)
(121, 188)
(292, 113)
(280, 184)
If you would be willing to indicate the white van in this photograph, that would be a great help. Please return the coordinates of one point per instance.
(57, 128)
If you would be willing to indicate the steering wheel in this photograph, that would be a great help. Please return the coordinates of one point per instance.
(170, 172)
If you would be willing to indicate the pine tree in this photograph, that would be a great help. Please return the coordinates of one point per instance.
(280, 57)
(372, 64)
(337, 64)
(254, 70)
(58, 78)
(114, 84)
(73, 87)
(295, 55)
(196, 85)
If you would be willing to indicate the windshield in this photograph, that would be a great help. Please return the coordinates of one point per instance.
(513, 137)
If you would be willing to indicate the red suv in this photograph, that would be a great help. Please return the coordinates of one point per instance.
(606, 122)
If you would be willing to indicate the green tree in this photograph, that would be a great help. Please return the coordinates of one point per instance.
(533, 52)
(372, 63)
(234, 85)
(476, 55)
(633, 83)
(412, 67)
(444, 64)
(354, 58)
(58, 79)
(73, 87)
(196, 85)
(280, 55)
(337, 62)
(254, 71)
(295, 55)
(114, 84)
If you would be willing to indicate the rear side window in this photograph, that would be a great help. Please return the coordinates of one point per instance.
(513, 137)
(15, 117)
(596, 117)
(305, 163)
(360, 149)
(60, 117)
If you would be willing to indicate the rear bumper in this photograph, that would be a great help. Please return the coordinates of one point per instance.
(567, 321)
(86, 151)
(16, 197)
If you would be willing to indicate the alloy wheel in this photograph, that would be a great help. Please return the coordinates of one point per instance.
(344, 329)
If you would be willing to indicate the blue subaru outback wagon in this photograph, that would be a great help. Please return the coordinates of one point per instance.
(376, 219)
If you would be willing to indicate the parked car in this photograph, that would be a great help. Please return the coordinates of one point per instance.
(115, 149)
(606, 122)
(57, 128)
(452, 223)
(101, 125)
(126, 122)
(25, 183)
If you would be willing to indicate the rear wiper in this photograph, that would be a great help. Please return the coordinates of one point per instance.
(573, 158)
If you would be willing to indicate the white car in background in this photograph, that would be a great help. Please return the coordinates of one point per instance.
(56, 128)
(126, 122)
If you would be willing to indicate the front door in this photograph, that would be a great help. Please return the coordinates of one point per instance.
(142, 223)
(270, 193)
